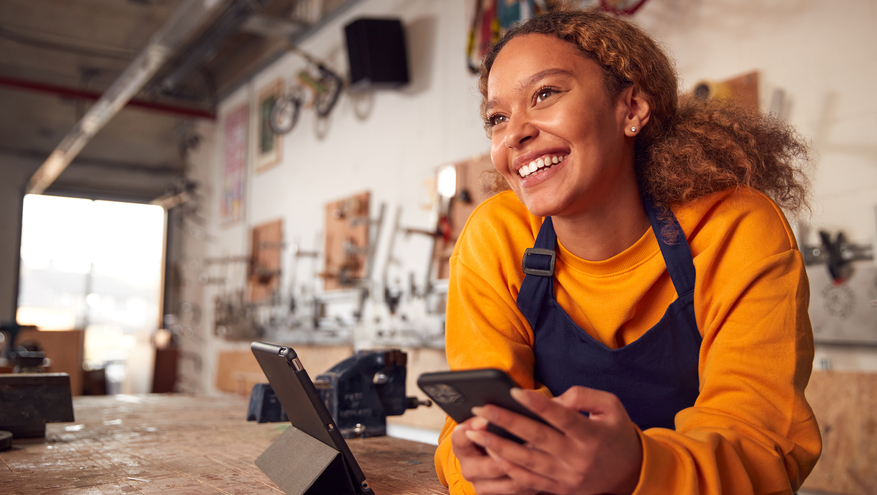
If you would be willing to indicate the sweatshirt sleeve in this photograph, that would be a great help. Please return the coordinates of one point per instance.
(483, 327)
(751, 430)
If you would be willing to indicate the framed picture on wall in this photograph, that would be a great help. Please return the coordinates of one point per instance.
(234, 176)
(268, 144)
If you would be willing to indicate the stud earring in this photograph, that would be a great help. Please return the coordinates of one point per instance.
(633, 129)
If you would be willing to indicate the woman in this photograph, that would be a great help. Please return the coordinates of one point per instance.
(660, 310)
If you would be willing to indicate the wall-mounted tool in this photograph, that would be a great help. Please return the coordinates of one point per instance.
(348, 230)
(297, 253)
(843, 288)
(392, 292)
(263, 274)
(836, 253)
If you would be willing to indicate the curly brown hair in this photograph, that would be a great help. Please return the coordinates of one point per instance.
(690, 147)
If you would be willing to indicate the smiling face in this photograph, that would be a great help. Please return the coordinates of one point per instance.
(563, 144)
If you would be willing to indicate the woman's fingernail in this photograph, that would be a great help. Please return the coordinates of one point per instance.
(478, 437)
(478, 410)
(479, 423)
(518, 394)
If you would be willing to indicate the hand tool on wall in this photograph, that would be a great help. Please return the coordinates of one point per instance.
(370, 250)
(836, 253)
(392, 296)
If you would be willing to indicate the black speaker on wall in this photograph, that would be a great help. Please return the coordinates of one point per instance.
(377, 54)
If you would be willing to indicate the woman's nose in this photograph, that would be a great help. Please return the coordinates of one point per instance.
(518, 132)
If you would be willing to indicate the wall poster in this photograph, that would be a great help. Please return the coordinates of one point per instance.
(268, 152)
(234, 178)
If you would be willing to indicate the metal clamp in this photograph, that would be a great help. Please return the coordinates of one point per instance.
(535, 271)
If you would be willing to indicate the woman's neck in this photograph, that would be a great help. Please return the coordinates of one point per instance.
(600, 234)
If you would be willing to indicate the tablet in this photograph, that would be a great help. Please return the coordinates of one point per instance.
(302, 403)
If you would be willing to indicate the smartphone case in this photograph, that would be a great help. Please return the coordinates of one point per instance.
(457, 392)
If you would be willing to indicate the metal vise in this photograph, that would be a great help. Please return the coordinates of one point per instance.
(23, 360)
(29, 397)
(360, 392)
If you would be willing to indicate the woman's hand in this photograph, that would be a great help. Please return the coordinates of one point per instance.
(601, 453)
(478, 467)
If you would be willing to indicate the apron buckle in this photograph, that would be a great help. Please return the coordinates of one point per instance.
(541, 272)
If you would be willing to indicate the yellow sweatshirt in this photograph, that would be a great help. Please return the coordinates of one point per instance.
(751, 430)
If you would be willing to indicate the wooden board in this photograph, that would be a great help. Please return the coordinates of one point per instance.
(845, 405)
(263, 274)
(182, 444)
(422, 361)
(741, 90)
(744, 90)
(64, 348)
(347, 227)
(238, 371)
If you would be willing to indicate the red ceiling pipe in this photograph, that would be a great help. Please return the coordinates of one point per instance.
(91, 95)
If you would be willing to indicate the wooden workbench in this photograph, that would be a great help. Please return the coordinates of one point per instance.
(183, 444)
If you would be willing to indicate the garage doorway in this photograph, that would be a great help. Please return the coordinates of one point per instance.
(96, 266)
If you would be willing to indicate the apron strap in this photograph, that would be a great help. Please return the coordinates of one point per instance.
(538, 263)
(677, 254)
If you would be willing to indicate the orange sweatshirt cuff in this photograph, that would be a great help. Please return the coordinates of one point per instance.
(657, 472)
(449, 471)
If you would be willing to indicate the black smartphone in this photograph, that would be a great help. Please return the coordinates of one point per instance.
(457, 392)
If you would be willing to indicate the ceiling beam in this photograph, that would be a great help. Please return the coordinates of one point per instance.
(160, 169)
(84, 94)
(185, 21)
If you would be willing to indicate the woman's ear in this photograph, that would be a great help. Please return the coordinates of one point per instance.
(637, 110)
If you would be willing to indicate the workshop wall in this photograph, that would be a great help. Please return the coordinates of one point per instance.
(821, 56)
(390, 143)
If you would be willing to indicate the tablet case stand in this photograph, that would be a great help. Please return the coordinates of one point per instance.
(302, 465)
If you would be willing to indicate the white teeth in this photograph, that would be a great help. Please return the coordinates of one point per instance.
(538, 164)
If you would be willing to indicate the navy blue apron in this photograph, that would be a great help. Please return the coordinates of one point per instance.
(655, 376)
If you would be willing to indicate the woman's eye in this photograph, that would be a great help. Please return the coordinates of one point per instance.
(544, 93)
(496, 119)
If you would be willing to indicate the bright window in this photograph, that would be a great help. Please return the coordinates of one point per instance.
(95, 265)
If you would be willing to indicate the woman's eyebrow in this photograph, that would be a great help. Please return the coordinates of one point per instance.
(530, 81)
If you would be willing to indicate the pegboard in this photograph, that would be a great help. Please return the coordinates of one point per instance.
(741, 90)
(263, 274)
(347, 238)
(474, 185)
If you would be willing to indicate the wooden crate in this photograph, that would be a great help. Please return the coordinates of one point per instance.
(65, 350)
(845, 405)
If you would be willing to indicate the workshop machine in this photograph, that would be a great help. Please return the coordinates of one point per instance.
(360, 392)
(29, 397)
